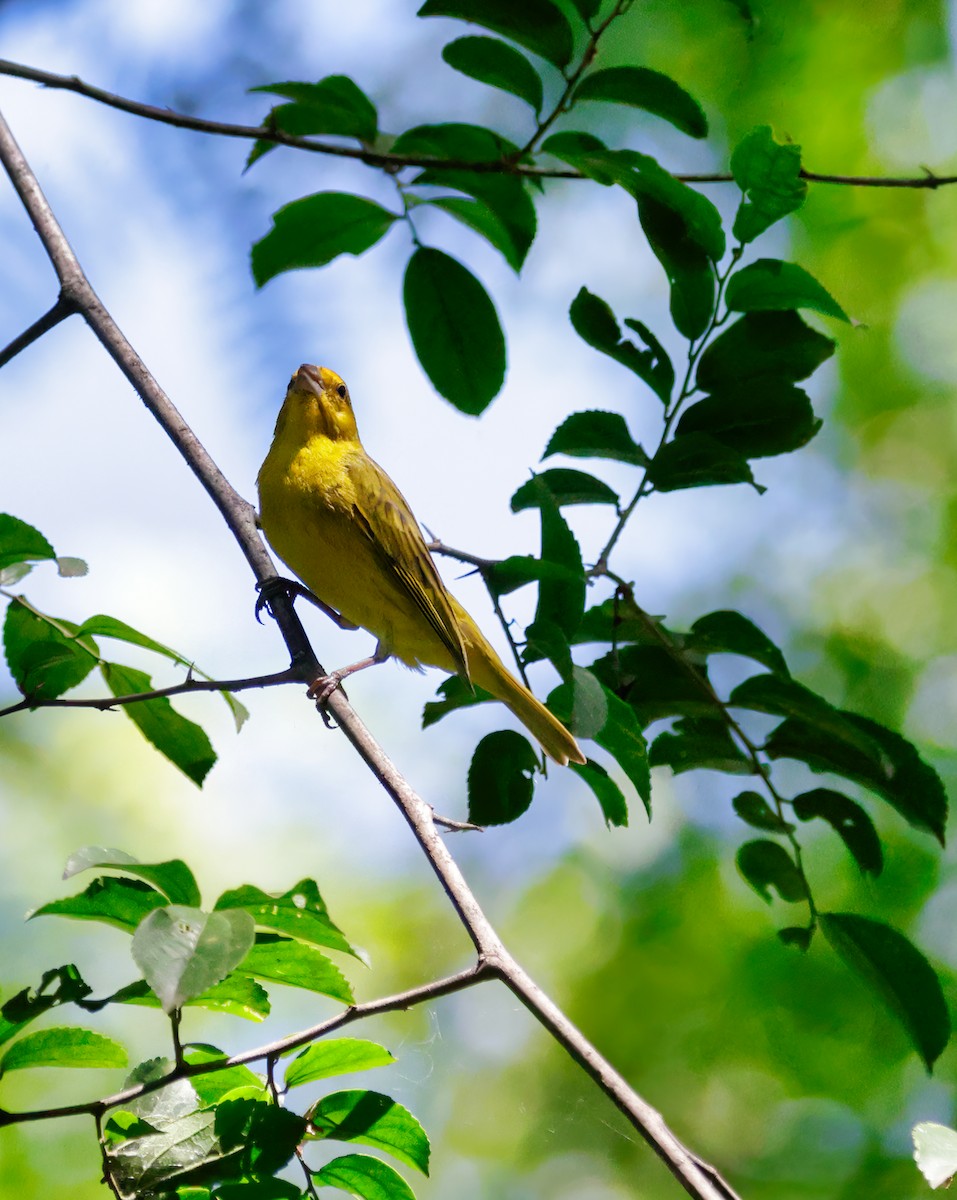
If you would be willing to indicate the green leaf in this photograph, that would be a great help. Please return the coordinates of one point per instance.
(506, 213)
(20, 542)
(656, 682)
(173, 878)
(595, 323)
(104, 626)
(755, 810)
(314, 230)
(455, 693)
(615, 620)
(687, 266)
(281, 960)
(798, 936)
(699, 743)
(648, 90)
(120, 902)
(596, 434)
(63, 1047)
(300, 913)
(698, 460)
(621, 736)
(893, 770)
(769, 174)
(770, 284)
(20, 1009)
(696, 221)
(848, 820)
(517, 571)
(763, 347)
(501, 778)
(609, 795)
(454, 329)
(566, 487)
(767, 865)
(898, 972)
(560, 601)
(756, 422)
(787, 698)
(182, 741)
(182, 951)
(334, 105)
(497, 64)
(581, 701)
(478, 216)
(456, 140)
(538, 25)
(374, 1120)
(587, 9)
(217, 1084)
(71, 568)
(935, 1152)
(339, 1056)
(728, 632)
(44, 655)
(364, 1176)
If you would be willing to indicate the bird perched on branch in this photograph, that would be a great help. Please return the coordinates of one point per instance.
(340, 523)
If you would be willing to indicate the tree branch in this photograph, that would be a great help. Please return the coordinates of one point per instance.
(698, 1179)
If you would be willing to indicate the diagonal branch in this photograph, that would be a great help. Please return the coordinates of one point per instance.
(697, 1178)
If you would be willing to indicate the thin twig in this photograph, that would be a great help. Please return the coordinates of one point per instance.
(59, 312)
(698, 1180)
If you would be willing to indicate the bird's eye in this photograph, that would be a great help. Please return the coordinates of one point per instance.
(341, 391)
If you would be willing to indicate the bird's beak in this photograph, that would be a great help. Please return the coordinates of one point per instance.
(308, 379)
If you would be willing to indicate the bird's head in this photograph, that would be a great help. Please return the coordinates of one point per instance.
(317, 403)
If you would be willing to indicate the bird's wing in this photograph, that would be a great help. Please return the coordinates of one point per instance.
(384, 516)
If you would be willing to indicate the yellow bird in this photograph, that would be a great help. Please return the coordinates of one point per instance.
(340, 523)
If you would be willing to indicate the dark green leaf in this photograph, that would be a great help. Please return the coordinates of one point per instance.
(688, 267)
(314, 230)
(182, 951)
(699, 743)
(788, 698)
(566, 487)
(63, 1047)
(609, 795)
(621, 736)
(657, 682)
(538, 25)
(43, 654)
(774, 418)
(374, 1120)
(506, 215)
(454, 140)
(851, 823)
(616, 620)
(798, 936)
(595, 434)
(339, 1056)
(120, 902)
(454, 329)
(364, 1176)
(478, 216)
(767, 865)
(899, 973)
(771, 284)
(595, 323)
(334, 105)
(648, 90)
(698, 460)
(182, 741)
(755, 810)
(769, 174)
(20, 542)
(296, 965)
(543, 639)
(173, 878)
(893, 770)
(497, 64)
(300, 913)
(25, 1006)
(561, 601)
(455, 693)
(501, 778)
(728, 632)
(697, 223)
(760, 348)
(587, 9)
(512, 573)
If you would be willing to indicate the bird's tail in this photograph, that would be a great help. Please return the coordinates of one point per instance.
(488, 671)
